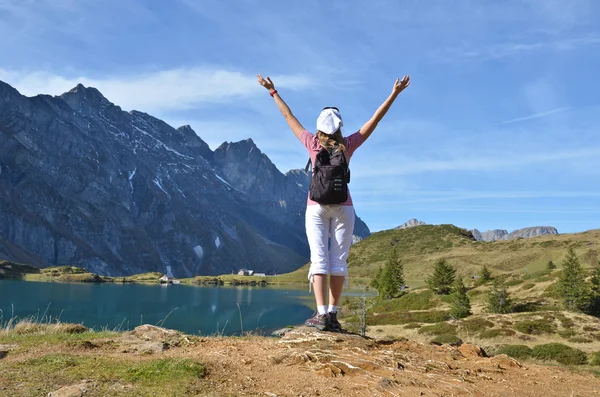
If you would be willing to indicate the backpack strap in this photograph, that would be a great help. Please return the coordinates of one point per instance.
(307, 165)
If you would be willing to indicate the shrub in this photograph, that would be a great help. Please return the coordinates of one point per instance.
(567, 333)
(580, 339)
(438, 329)
(595, 358)
(561, 353)
(412, 326)
(476, 324)
(446, 339)
(566, 322)
(515, 351)
(535, 327)
(494, 333)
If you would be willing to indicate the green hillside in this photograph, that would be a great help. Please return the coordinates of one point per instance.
(419, 247)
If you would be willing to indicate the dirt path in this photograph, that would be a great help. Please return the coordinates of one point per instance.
(306, 362)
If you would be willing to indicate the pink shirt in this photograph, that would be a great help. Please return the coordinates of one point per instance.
(312, 144)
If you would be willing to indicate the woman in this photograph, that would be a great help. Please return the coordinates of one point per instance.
(325, 220)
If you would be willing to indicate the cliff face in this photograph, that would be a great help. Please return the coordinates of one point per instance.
(495, 235)
(84, 183)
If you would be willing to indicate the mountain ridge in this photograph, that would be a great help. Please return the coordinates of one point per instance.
(129, 193)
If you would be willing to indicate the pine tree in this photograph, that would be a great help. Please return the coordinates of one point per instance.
(485, 275)
(391, 278)
(375, 280)
(442, 278)
(575, 292)
(461, 304)
(498, 300)
(595, 306)
(551, 265)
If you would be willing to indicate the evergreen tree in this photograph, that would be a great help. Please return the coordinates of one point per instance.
(390, 279)
(375, 280)
(485, 275)
(498, 300)
(461, 304)
(442, 278)
(551, 265)
(575, 292)
(595, 306)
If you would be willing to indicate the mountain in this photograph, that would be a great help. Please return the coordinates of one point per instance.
(84, 183)
(411, 223)
(497, 234)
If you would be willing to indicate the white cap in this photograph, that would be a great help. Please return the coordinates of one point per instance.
(329, 121)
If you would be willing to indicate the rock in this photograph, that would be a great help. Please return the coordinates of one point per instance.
(70, 391)
(148, 339)
(497, 234)
(281, 332)
(5, 349)
(469, 350)
(493, 235)
(529, 232)
(411, 223)
(502, 360)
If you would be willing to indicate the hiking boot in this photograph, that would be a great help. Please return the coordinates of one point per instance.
(319, 321)
(334, 324)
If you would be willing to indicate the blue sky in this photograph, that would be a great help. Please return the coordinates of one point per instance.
(499, 128)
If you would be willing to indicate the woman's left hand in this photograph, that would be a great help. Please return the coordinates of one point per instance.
(268, 84)
(400, 85)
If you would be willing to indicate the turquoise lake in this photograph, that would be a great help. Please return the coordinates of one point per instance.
(191, 309)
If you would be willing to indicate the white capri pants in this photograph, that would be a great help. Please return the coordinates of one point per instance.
(323, 221)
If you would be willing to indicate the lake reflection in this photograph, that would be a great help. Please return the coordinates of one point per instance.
(191, 309)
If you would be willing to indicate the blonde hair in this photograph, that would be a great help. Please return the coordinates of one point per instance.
(329, 141)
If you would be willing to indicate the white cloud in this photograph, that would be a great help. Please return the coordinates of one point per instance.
(511, 49)
(172, 89)
(536, 115)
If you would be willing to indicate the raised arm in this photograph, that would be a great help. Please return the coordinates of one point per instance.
(283, 107)
(370, 125)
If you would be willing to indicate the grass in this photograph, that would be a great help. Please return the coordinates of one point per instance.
(433, 316)
(438, 329)
(535, 327)
(147, 376)
(419, 248)
(411, 301)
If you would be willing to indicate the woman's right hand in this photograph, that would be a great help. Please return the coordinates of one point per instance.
(268, 84)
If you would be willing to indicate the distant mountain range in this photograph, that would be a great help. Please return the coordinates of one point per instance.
(84, 183)
(497, 234)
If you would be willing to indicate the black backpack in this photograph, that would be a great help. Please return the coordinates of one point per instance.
(330, 177)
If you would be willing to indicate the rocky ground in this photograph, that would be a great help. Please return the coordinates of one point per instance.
(303, 362)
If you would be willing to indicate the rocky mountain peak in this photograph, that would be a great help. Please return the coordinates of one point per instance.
(81, 97)
(6, 90)
(501, 234)
(411, 223)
